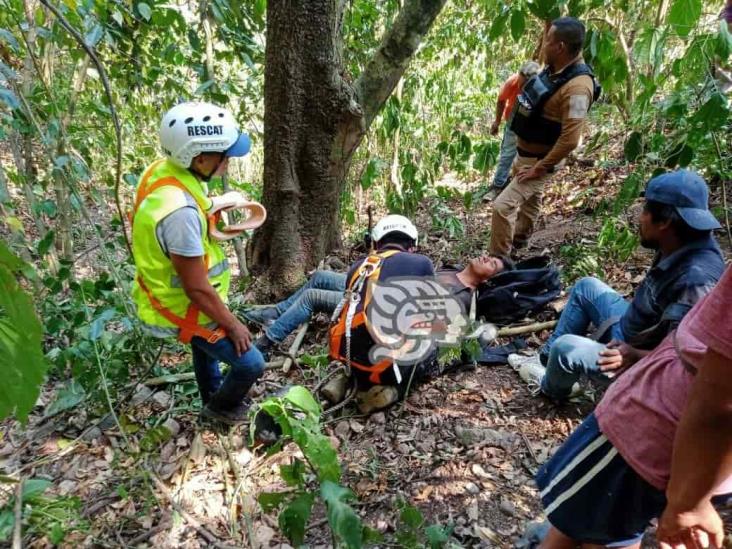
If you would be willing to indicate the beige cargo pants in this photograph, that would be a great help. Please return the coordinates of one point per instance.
(516, 209)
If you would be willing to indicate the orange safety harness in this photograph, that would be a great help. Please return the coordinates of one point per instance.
(349, 319)
(188, 325)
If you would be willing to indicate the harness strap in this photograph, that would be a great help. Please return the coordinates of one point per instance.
(188, 325)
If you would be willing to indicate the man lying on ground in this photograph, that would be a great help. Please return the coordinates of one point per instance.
(678, 224)
(324, 290)
(658, 444)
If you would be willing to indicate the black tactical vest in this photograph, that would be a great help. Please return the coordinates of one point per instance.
(528, 122)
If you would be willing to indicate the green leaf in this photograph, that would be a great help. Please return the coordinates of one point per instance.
(684, 15)
(66, 398)
(269, 501)
(45, 243)
(633, 146)
(93, 37)
(411, 516)
(713, 114)
(9, 39)
(546, 10)
(294, 518)
(21, 339)
(145, 10)
(499, 26)
(343, 520)
(301, 398)
(293, 474)
(437, 536)
(518, 24)
(34, 487)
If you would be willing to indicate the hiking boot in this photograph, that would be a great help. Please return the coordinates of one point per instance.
(230, 416)
(265, 346)
(376, 398)
(492, 194)
(532, 372)
(335, 389)
(516, 361)
(264, 316)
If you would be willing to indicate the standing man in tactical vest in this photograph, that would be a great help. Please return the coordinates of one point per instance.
(548, 121)
(183, 276)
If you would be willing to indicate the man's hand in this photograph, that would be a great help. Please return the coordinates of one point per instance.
(240, 337)
(695, 529)
(617, 356)
(534, 172)
(494, 127)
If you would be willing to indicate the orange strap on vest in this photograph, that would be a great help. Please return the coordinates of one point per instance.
(187, 325)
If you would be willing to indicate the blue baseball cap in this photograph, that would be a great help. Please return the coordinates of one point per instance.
(240, 147)
(688, 193)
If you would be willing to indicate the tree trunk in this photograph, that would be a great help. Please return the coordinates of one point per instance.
(314, 120)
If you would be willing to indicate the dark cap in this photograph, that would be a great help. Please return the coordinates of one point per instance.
(688, 193)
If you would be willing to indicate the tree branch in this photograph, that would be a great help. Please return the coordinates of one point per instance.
(399, 44)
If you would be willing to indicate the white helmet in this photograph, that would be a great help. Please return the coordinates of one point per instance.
(393, 223)
(189, 129)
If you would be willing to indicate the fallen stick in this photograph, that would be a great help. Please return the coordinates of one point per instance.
(187, 376)
(536, 327)
(18, 526)
(295, 347)
(190, 519)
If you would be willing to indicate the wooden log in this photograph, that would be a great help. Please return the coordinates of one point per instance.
(529, 328)
(187, 376)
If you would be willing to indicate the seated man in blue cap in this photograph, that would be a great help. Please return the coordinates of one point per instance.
(677, 223)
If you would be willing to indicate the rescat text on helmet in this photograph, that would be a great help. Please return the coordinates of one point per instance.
(205, 130)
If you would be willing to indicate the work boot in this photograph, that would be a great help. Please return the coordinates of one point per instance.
(376, 398)
(265, 346)
(264, 316)
(516, 361)
(492, 194)
(230, 416)
(335, 389)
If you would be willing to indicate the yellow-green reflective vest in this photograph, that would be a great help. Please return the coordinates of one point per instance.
(157, 290)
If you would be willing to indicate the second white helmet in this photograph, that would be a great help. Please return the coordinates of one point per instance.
(189, 129)
(394, 223)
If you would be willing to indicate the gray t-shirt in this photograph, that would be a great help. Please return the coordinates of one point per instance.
(180, 232)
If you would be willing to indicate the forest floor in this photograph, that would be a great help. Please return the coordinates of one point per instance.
(462, 448)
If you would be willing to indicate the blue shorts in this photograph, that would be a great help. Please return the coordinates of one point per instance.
(592, 495)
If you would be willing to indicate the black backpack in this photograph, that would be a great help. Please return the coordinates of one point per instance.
(511, 295)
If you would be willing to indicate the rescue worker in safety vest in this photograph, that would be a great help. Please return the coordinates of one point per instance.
(548, 120)
(183, 276)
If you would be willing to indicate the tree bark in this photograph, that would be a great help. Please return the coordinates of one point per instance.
(314, 120)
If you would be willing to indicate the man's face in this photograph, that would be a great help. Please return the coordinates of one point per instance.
(553, 47)
(649, 231)
(212, 163)
(486, 266)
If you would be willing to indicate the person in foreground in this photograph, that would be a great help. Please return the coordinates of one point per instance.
(659, 444)
(675, 222)
(183, 276)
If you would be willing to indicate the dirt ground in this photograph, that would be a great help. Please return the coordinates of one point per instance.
(462, 448)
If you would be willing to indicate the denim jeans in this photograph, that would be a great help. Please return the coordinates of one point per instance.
(505, 158)
(243, 372)
(321, 293)
(570, 355)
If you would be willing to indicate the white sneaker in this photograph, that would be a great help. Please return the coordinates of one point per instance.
(516, 361)
(532, 372)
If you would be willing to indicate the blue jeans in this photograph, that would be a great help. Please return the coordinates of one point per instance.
(321, 293)
(244, 371)
(505, 159)
(570, 355)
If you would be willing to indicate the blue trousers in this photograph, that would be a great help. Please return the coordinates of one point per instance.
(505, 158)
(243, 372)
(570, 355)
(321, 293)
